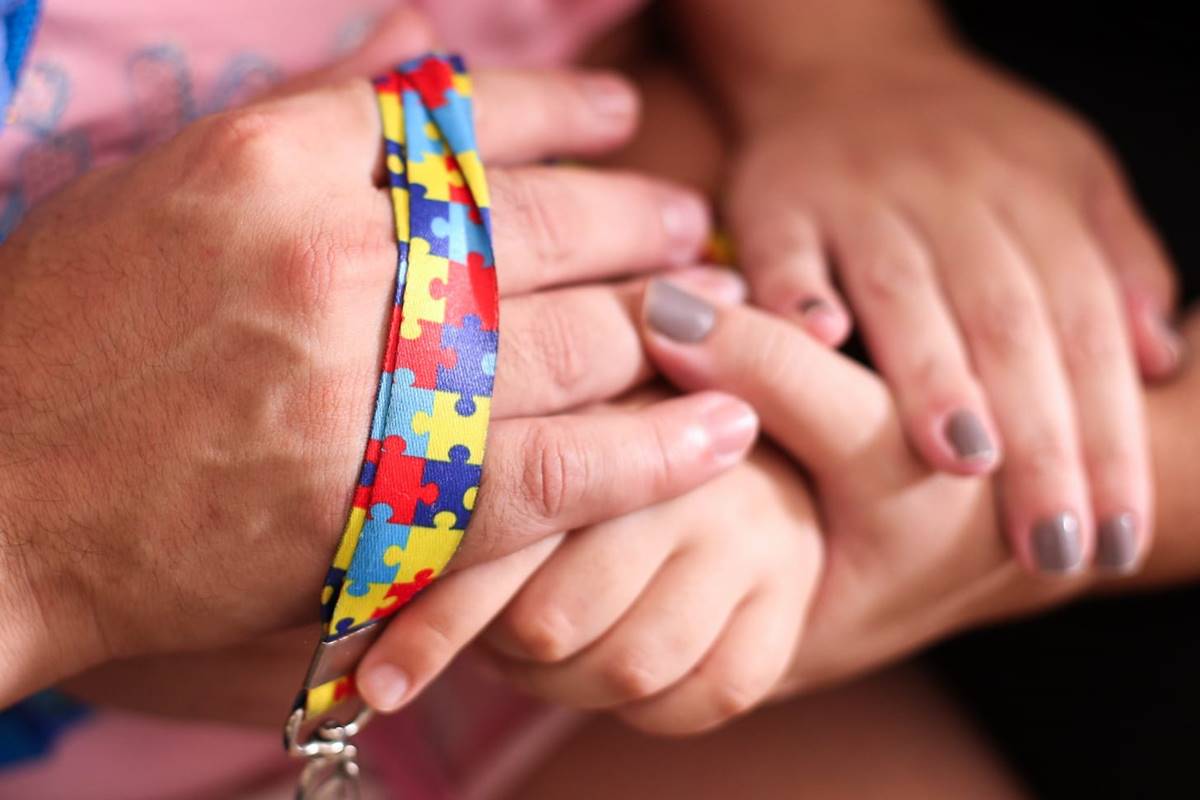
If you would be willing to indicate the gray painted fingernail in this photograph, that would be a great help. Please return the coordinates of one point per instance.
(1058, 543)
(678, 315)
(813, 305)
(968, 437)
(1117, 543)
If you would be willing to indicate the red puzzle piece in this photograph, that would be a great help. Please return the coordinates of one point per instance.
(471, 290)
(423, 354)
(432, 80)
(398, 482)
(401, 593)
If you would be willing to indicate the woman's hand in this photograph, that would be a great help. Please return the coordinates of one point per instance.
(190, 343)
(912, 554)
(996, 264)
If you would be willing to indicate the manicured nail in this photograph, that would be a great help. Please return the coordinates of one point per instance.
(609, 97)
(719, 284)
(1174, 343)
(1058, 543)
(968, 437)
(1117, 543)
(385, 685)
(685, 222)
(733, 426)
(676, 314)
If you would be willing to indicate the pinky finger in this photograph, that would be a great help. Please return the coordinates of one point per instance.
(789, 274)
(1144, 272)
(739, 672)
(422, 641)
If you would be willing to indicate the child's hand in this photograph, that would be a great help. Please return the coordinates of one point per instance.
(997, 266)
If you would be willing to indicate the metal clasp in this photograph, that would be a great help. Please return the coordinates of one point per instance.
(332, 771)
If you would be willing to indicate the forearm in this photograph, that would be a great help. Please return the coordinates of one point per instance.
(739, 46)
(1175, 439)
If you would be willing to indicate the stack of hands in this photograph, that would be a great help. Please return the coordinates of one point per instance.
(187, 380)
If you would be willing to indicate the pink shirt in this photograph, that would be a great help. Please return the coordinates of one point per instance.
(108, 78)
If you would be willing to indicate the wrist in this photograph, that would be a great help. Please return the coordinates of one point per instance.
(44, 630)
(754, 99)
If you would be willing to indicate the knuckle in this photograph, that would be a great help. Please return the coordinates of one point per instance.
(1091, 342)
(325, 252)
(555, 337)
(734, 692)
(632, 675)
(243, 147)
(546, 210)
(1005, 324)
(888, 279)
(544, 634)
(553, 468)
(1045, 458)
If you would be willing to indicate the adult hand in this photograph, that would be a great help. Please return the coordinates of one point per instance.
(996, 263)
(911, 554)
(190, 342)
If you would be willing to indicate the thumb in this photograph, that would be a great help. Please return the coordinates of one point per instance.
(399, 35)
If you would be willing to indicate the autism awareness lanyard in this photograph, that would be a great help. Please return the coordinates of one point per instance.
(423, 461)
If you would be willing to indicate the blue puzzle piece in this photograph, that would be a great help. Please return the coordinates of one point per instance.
(455, 478)
(403, 401)
(416, 128)
(463, 235)
(427, 220)
(334, 579)
(473, 374)
(368, 565)
(456, 122)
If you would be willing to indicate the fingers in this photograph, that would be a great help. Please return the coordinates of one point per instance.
(558, 225)
(1143, 271)
(828, 412)
(655, 644)
(566, 348)
(418, 644)
(727, 683)
(783, 255)
(594, 577)
(1003, 315)
(524, 116)
(569, 348)
(554, 474)
(1086, 310)
(913, 338)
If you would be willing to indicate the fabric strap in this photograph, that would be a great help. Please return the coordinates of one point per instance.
(424, 456)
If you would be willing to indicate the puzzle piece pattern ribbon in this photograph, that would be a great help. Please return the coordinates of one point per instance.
(423, 462)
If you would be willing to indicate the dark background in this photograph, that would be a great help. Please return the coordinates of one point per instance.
(1101, 699)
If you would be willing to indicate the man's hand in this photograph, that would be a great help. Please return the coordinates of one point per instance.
(190, 342)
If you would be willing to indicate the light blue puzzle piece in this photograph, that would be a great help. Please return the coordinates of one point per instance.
(378, 536)
(404, 402)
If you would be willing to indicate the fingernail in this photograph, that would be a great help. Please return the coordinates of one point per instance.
(1057, 543)
(821, 319)
(813, 305)
(676, 314)
(385, 685)
(685, 222)
(609, 97)
(1117, 543)
(732, 426)
(968, 437)
(1174, 343)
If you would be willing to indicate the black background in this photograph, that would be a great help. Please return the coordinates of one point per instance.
(1101, 699)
